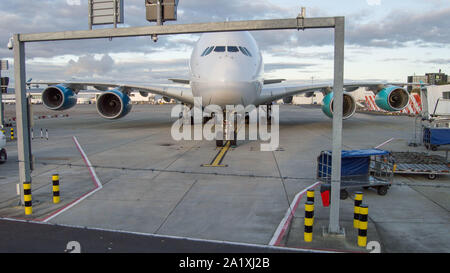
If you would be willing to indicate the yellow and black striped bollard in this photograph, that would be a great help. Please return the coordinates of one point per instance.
(55, 180)
(12, 133)
(358, 202)
(362, 226)
(310, 195)
(309, 221)
(27, 198)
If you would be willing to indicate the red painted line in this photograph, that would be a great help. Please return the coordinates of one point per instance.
(94, 177)
(384, 143)
(64, 207)
(88, 164)
(284, 224)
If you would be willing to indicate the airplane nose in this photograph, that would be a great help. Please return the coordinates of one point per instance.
(224, 93)
(226, 80)
(226, 68)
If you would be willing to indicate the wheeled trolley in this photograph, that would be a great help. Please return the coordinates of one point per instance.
(368, 168)
(420, 163)
(435, 137)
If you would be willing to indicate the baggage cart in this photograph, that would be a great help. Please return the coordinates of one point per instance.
(420, 163)
(433, 137)
(368, 168)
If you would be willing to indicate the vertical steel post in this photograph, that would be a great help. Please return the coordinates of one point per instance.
(90, 14)
(159, 13)
(22, 122)
(2, 112)
(339, 31)
(115, 13)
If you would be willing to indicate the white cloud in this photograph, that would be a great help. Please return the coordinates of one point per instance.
(73, 2)
(89, 65)
(373, 2)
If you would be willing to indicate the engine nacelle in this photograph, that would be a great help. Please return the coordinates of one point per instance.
(113, 104)
(392, 98)
(349, 105)
(288, 100)
(59, 97)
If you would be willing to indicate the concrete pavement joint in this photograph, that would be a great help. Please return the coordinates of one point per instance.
(419, 192)
(179, 201)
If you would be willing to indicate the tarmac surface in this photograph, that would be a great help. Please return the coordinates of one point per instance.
(156, 185)
(48, 238)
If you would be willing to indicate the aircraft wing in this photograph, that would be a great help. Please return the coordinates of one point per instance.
(273, 93)
(180, 93)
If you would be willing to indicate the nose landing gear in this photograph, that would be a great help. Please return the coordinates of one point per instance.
(227, 132)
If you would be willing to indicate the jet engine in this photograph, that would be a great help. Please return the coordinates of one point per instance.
(392, 98)
(59, 97)
(349, 105)
(113, 104)
(287, 100)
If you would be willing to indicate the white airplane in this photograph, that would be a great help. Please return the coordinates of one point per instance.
(225, 69)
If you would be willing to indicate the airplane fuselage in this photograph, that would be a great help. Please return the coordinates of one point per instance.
(226, 69)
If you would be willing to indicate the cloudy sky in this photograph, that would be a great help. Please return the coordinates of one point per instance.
(385, 40)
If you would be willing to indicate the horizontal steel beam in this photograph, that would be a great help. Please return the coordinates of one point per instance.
(272, 24)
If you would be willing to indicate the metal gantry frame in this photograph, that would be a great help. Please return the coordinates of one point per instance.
(299, 23)
(3, 66)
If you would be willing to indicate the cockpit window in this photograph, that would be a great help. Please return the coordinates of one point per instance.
(232, 49)
(245, 51)
(208, 51)
(248, 52)
(219, 49)
(204, 52)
